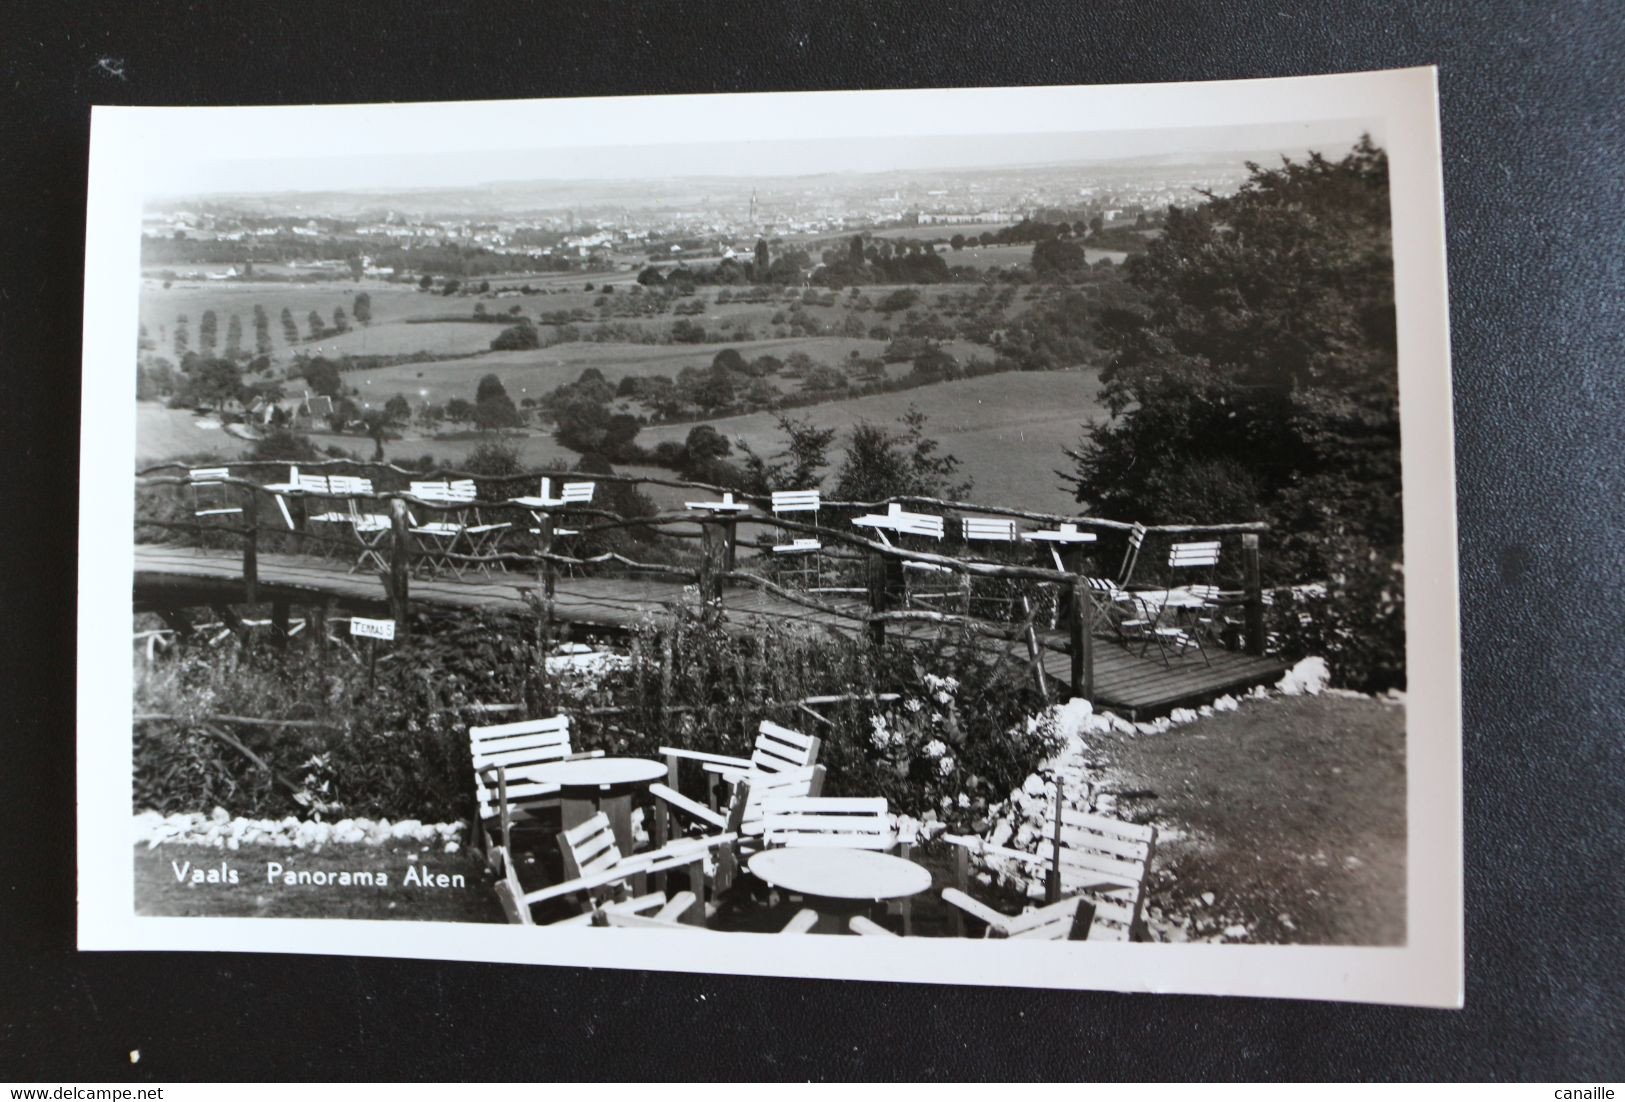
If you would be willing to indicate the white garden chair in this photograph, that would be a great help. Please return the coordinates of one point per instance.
(500, 748)
(371, 529)
(777, 750)
(999, 533)
(211, 494)
(800, 555)
(1175, 619)
(844, 822)
(1103, 859)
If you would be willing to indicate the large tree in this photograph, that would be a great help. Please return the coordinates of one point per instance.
(882, 462)
(1258, 380)
(493, 409)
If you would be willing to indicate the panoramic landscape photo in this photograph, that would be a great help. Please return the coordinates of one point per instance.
(996, 537)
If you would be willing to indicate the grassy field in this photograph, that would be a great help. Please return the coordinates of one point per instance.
(1291, 813)
(162, 434)
(1008, 429)
(159, 307)
(163, 887)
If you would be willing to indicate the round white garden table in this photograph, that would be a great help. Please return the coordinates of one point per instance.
(839, 882)
(590, 785)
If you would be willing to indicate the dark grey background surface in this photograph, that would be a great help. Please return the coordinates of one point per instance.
(1532, 116)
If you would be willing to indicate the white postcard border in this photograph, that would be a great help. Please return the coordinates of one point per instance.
(134, 151)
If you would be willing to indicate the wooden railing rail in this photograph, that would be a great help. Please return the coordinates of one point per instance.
(763, 500)
(718, 562)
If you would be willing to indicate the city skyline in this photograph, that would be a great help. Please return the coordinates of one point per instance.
(787, 159)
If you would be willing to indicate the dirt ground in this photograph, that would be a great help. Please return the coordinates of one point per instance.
(1281, 823)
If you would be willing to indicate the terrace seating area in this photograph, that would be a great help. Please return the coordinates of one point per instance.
(1171, 616)
(756, 845)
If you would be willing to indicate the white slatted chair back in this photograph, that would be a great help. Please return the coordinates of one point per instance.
(1204, 553)
(765, 788)
(1136, 539)
(429, 491)
(462, 491)
(1107, 860)
(795, 501)
(836, 821)
(779, 749)
(210, 493)
(313, 483)
(578, 493)
(989, 529)
(515, 746)
(590, 848)
(922, 524)
(340, 484)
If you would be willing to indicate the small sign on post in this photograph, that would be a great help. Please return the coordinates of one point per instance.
(374, 630)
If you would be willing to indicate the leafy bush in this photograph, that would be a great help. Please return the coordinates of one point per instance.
(1357, 624)
(284, 446)
(958, 739)
(516, 338)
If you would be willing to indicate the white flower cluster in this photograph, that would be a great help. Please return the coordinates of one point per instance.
(881, 735)
(942, 689)
(220, 830)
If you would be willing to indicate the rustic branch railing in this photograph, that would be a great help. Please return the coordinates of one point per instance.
(717, 566)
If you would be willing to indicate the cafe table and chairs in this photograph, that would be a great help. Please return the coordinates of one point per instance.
(1066, 544)
(545, 505)
(913, 578)
(588, 786)
(727, 510)
(296, 486)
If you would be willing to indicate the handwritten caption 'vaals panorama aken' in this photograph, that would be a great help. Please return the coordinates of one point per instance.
(420, 876)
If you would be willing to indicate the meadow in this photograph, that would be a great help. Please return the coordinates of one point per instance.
(1008, 429)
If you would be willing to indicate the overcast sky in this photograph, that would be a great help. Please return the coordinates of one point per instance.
(788, 157)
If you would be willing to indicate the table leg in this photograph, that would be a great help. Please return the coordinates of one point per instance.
(573, 811)
(619, 811)
(829, 922)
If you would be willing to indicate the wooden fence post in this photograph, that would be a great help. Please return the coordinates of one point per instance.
(730, 543)
(1081, 626)
(878, 596)
(1254, 631)
(1035, 652)
(709, 585)
(1052, 875)
(400, 563)
(544, 541)
(251, 546)
(316, 616)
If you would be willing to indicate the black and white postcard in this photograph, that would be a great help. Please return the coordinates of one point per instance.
(988, 536)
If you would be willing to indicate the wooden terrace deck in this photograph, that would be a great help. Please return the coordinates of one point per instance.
(169, 576)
